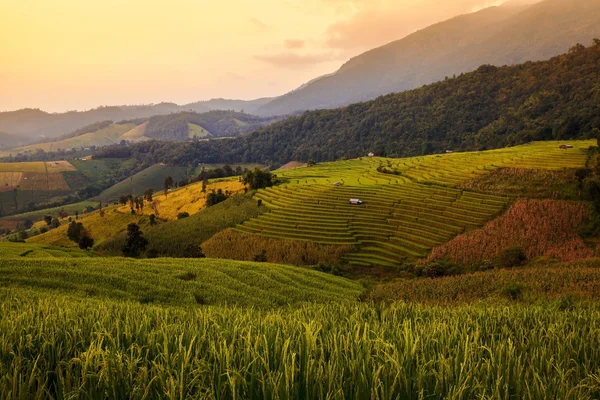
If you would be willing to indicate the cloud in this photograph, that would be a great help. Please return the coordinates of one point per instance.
(294, 61)
(259, 24)
(294, 44)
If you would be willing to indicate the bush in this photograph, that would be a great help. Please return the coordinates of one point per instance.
(261, 257)
(510, 257)
(513, 291)
(193, 251)
(181, 215)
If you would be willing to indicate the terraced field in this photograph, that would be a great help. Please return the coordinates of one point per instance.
(409, 205)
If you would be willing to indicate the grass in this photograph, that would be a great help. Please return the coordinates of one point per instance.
(175, 237)
(58, 346)
(182, 282)
(28, 251)
(188, 199)
(100, 228)
(152, 177)
(543, 280)
(110, 227)
(196, 131)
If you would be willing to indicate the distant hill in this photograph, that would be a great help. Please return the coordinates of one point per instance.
(505, 35)
(35, 125)
(245, 106)
(181, 126)
(491, 107)
(7, 140)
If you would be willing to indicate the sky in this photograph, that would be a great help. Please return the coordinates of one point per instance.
(60, 55)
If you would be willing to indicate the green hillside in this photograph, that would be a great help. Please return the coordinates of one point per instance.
(196, 131)
(103, 137)
(410, 205)
(151, 177)
(169, 281)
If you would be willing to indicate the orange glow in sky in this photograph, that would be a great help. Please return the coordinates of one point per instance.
(62, 55)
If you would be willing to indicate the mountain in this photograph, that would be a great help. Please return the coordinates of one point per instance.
(37, 125)
(492, 107)
(505, 35)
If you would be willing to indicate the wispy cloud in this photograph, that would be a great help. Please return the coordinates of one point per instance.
(293, 60)
(294, 44)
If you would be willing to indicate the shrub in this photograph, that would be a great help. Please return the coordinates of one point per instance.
(261, 257)
(193, 251)
(152, 253)
(513, 291)
(510, 257)
(181, 215)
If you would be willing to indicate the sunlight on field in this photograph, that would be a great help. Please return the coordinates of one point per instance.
(188, 199)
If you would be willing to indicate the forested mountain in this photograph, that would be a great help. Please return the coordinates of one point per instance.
(505, 35)
(489, 108)
(35, 125)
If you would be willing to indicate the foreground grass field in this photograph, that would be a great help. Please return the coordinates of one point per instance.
(58, 346)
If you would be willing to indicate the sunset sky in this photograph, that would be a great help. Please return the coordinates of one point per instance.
(62, 55)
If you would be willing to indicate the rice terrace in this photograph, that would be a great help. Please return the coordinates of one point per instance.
(395, 210)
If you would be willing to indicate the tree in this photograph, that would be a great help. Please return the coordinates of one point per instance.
(48, 219)
(136, 242)
(216, 197)
(74, 231)
(62, 213)
(28, 224)
(123, 200)
(183, 215)
(148, 194)
(55, 223)
(85, 241)
(259, 179)
(193, 251)
(168, 184)
(152, 219)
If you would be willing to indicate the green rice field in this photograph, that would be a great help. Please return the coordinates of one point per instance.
(409, 205)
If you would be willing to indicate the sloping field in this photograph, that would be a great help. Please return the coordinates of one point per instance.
(196, 131)
(30, 182)
(136, 134)
(409, 205)
(179, 282)
(29, 251)
(103, 137)
(188, 199)
(152, 177)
